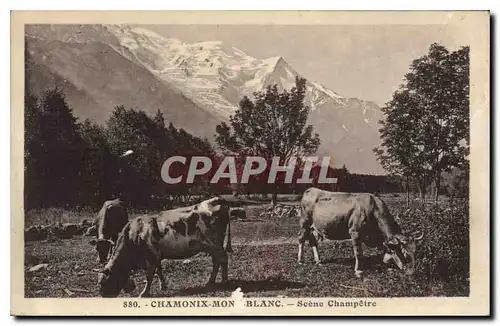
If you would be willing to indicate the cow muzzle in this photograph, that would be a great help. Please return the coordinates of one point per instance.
(408, 265)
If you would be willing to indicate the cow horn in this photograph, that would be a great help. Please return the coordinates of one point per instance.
(420, 237)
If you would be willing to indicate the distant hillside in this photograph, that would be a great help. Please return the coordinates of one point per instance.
(96, 79)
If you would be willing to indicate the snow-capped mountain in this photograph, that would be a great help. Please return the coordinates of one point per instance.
(214, 77)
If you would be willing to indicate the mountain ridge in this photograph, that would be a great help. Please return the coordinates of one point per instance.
(214, 77)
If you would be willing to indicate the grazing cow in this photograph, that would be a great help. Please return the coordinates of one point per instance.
(363, 218)
(109, 223)
(174, 234)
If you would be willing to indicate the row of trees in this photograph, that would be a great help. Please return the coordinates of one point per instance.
(71, 163)
(425, 130)
(68, 163)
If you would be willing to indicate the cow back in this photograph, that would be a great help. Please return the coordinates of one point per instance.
(112, 218)
(181, 227)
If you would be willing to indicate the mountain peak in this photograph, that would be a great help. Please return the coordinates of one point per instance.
(274, 61)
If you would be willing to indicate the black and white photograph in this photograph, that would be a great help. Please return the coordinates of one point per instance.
(283, 166)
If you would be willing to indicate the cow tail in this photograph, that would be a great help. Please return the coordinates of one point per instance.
(228, 243)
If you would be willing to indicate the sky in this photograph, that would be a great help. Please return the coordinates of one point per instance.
(367, 62)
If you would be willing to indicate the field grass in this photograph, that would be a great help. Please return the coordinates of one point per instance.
(264, 262)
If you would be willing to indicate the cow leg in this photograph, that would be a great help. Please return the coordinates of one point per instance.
(156, 258)
(224, 272)
(313, 242)
(316, 255)
(358, 252)
(215, 270)
(219, 258)
(302, 240)
(150, 273)
(153, 262)
(301, 251)
(161, 277)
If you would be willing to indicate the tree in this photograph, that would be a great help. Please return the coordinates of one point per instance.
(400, 153)
(33, 152)
(152, 144)
(159, 120)
(426, 126)
(54, 134)
(456, 183)
(134, 129)
(32, 144)
(272, 125)
(99, 169)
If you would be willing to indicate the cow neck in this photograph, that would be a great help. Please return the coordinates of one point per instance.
(118, 256)
(389, 227)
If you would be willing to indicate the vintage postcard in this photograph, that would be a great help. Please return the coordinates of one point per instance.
(250, 163)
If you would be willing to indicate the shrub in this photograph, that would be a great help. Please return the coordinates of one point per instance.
(443, 255)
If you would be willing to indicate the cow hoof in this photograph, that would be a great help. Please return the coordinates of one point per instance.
(300, 263)
(319, 264)
(358, 274)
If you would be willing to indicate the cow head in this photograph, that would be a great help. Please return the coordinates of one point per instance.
(103, 247)
(401, 249)
(112, 283)
(212, 212)
(208, 207)
(213, 218)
